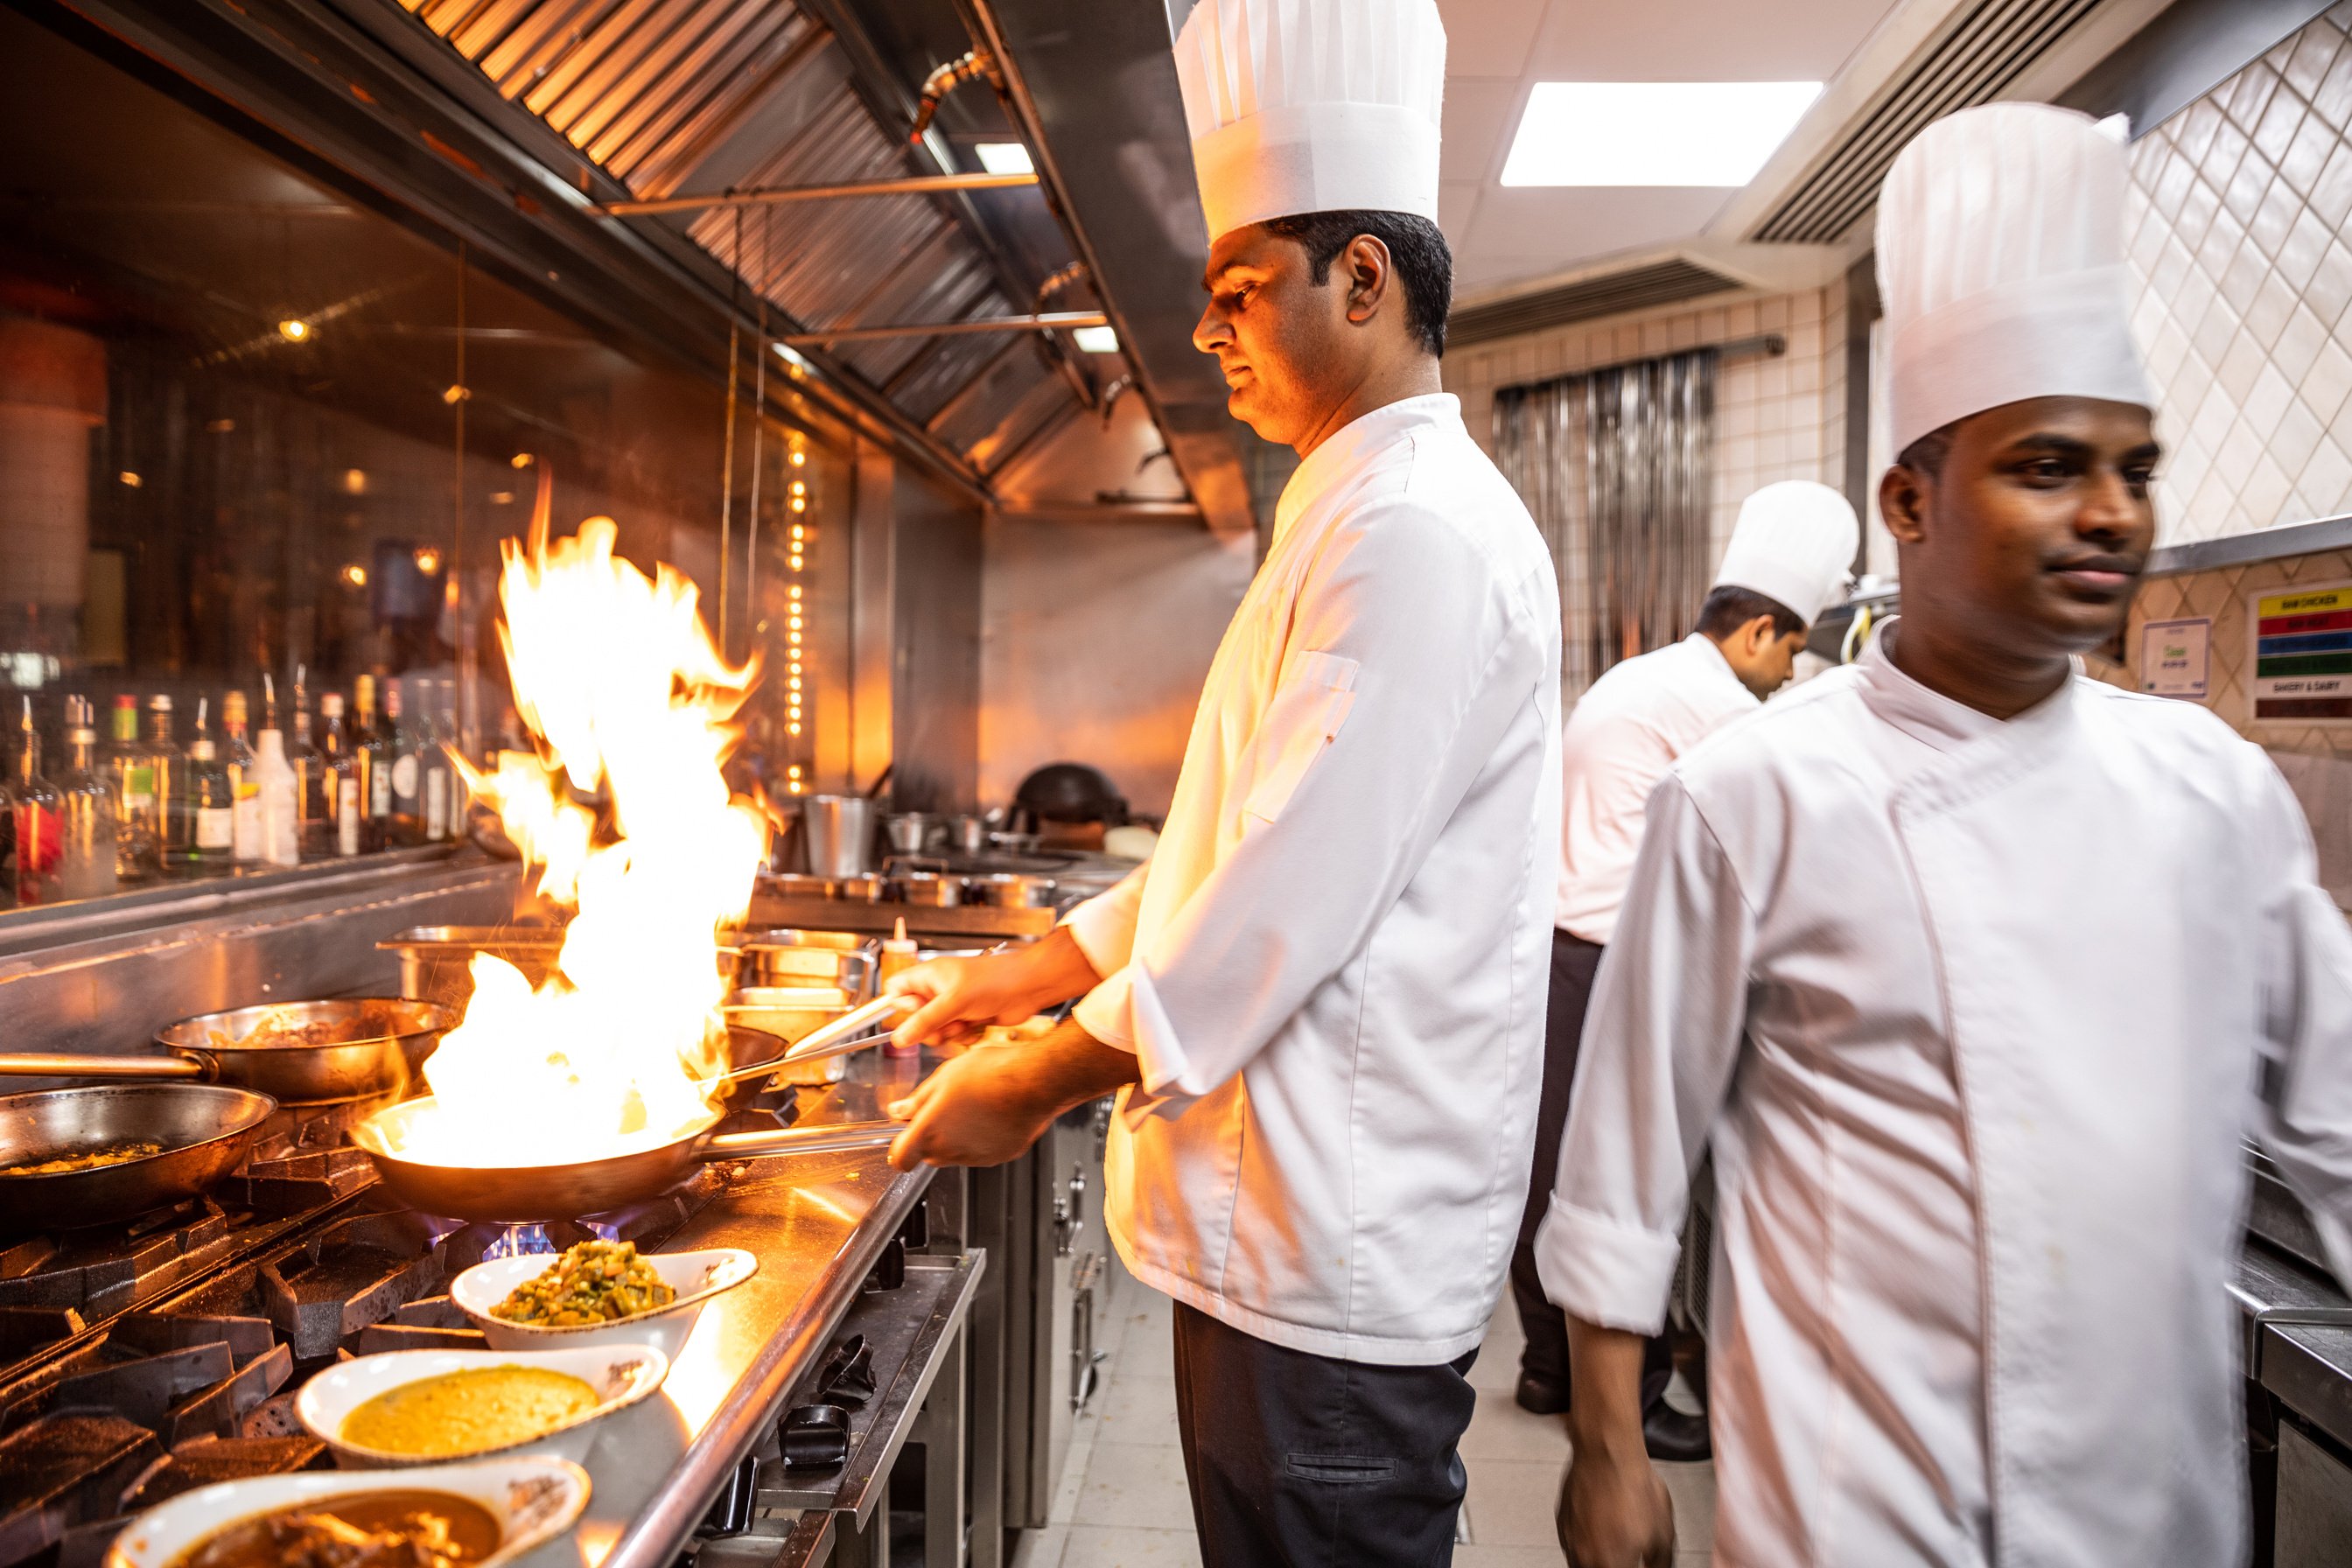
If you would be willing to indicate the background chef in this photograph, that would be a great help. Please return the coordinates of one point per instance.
(1786, 562)
(1324, 993)
(1971, 967)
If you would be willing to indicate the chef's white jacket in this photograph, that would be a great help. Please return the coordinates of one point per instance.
(1622, 735)
(1976, 1014)
(1332, 969)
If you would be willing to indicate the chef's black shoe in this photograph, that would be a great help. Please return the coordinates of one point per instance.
(1671, 1435)
(1541, 1396)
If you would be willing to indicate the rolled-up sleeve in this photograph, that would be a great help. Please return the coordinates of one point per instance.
(1408, 660)
(1661, 1040)
(2306, 1102)
(1103, 926)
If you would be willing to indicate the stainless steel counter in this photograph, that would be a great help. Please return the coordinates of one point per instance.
(817, 1224)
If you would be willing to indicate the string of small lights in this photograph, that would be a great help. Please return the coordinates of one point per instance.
(796, 615)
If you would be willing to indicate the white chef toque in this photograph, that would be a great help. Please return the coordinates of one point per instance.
(1794, 544)
(1307, 106)
(2000, 266)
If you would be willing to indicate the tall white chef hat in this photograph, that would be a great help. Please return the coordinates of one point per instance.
(2000, 264)
(1305, 106)
(1794, 542)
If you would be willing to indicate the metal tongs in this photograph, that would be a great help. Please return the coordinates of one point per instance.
(848, 1034)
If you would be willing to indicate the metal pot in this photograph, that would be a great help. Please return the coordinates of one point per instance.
(913, 832)
(518, 1194)
(969, 836)
(1011, 891)
(205, 1131)
(301, 1053)
(931, 890)
(840, 833)
(770, 960)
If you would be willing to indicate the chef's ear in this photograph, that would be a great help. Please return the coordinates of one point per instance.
(1370, 273)
(1903, 500)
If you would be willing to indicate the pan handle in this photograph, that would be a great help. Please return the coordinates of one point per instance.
(845, 1138)
(815, 1045)
(26, 1064)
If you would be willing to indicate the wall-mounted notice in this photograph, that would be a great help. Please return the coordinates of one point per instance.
(2176, 657)
(2303, 652)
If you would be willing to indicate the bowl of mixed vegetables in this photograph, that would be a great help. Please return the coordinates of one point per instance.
(598, 1292)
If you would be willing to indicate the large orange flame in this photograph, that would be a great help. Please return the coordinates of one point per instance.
(616, 675)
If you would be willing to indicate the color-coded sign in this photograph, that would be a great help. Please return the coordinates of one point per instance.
(2302, 653)
(2176, 657)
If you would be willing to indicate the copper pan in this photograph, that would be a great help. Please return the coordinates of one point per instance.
(524, 1194)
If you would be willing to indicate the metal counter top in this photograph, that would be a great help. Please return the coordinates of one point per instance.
(817, 1224)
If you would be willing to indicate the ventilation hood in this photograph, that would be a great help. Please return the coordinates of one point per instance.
(682, 173)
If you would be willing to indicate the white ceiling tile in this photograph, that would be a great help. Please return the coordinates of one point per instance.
(1522, 232)
(1480, 114)
(1490, 37)
(1456, 200)
(1703, 40)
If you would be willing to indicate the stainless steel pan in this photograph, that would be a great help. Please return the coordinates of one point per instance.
(523, 1195)
(206, 1132)
(349, 1048)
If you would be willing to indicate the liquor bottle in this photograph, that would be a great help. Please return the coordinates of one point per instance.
(7, 846)
(210, 801)
(245, 784)
(36, 813)
(339, 770)
(169, 766)
(440, 777)
(407, 818)
(315, 811)
(139, 827)
(280, 824)
(87, 831)
(374, 759)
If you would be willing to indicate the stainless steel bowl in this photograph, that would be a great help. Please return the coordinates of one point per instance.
(1011, 891)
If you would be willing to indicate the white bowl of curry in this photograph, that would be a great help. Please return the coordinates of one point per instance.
(430, 1407)
(479, 1515)
(528, 1303)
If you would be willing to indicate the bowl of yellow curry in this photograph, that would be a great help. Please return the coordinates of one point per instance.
(430, 1407)
(599, 1292)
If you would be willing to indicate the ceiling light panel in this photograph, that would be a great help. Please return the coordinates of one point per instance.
(1005, 157)
(1653, 133)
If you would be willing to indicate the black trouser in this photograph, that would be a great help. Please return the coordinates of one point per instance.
(1301, 1461)
(1574, 962)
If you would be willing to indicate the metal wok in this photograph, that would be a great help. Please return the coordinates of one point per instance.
(349, 1048)
(523, 1195)
(205, 1131)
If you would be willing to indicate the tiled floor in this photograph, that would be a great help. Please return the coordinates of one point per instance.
(1123, 1504)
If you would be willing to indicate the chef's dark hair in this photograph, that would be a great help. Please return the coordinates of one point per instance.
(1728, 608)
(1424, 262)
(1926, 454)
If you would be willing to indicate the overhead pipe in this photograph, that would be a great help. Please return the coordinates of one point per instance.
(1057, 322)
(944, 80)
(1061, 361)
(907, 185)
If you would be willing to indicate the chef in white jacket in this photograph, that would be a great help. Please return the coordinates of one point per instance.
(1322, 999)
(1788, 558)
(1973, 971)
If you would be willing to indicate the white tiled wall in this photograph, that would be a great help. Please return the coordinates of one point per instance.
(2237, 228)
(1778, 417)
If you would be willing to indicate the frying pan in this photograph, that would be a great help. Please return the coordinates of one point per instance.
(373, 1044)
(205, 1130)
(523, 1195)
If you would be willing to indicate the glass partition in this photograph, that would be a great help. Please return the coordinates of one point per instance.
(260, 440)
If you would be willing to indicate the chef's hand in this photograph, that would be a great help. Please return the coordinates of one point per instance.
(1615, 1513)
(961, 997)
(986, 1106)
(1614, 1509)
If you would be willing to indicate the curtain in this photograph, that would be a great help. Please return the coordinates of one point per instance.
(1614, 466)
